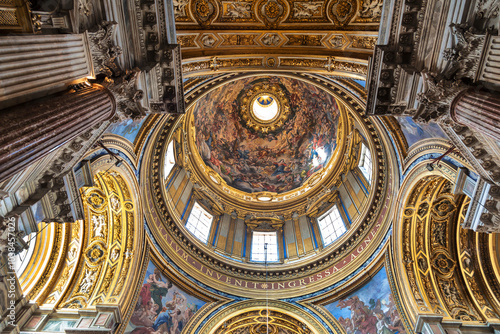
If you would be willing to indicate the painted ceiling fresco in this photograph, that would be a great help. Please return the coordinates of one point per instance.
(369, 310)
(277, 161)
(162, 307)
(127, 129)
(415, 132)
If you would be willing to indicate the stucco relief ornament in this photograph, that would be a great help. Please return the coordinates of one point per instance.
(115, 254)
(208, 41)
(202, 8)
(115, 203)
(95, 254)
(180, 8)
(99, 224)
(337, 41)
(103, 50)
(271, 12)
(342, 11)
(239, 9)
(96, 201)
(271, 39)
(87, 281)
(371, 9)
(204, 11)
(303, 10)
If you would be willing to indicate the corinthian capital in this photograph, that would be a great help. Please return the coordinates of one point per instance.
(436, 98)
(127, 96)
(104, 51)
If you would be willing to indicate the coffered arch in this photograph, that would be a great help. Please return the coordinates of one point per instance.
(90, 260)
(438, 273)
(253, 316)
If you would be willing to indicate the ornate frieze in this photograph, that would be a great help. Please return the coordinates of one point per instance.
(322, 64)
(276, 13)
(196, 44)
(363, 42)
(371, 9)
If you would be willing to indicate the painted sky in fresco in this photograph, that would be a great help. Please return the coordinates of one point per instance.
(415, 132)
(127, 129)
(252, 161)
(369, 310)
(162, 307)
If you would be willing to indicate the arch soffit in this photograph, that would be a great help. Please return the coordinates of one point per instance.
(416, 175)
(61, 285)
(439, 282)
(428, 146)
(299, 313)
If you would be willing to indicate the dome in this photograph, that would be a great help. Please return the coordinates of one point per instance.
(227, 196)
(266, 134)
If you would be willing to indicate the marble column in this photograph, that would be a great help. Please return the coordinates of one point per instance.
(32, 66)
(478, 110)
(32, 130)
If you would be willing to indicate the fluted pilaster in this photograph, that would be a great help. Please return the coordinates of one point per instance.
(32, 130)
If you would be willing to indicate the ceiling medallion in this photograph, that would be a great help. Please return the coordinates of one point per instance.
(342, 11)
(264, 108)
(204, 10)
(271, 12)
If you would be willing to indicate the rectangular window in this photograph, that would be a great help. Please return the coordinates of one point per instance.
(331, 226)
(259, 239)
(199, 222)
(365, 163)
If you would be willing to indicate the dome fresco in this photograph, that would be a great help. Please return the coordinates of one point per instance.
(275, 158)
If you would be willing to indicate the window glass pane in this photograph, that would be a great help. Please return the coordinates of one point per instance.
(259, 239)
(365, 163)
(331, 226)
(169, 160)
(199, 222)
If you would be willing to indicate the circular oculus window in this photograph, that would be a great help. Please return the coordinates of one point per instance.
(265, 108)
